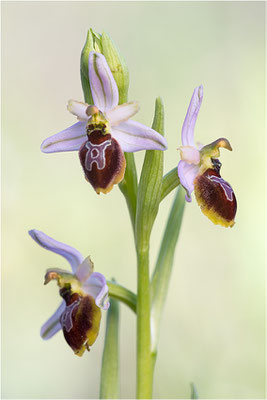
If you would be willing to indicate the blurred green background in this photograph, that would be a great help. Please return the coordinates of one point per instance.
(213, 326)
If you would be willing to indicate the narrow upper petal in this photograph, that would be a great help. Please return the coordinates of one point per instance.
(78, 108)
(72, 255)
(68, 140)
(96, 286)
(133, 136)
(53, 325)
(187, 174)
(85, 269)
(122, 113)
(103, 86)
(191, 117)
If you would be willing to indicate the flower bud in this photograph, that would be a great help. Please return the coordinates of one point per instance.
(117, 65)
(93, 43)
(103, 44)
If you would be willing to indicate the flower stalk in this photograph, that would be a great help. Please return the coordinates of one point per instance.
(122, 294)
(169, 182)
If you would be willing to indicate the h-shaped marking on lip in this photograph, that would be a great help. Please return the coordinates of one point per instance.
(66, 318)
(225, 186)
(96, 154)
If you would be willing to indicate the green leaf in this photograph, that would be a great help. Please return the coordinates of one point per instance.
(163, 269)
(109, 386)
(194, 394)
(149, 189)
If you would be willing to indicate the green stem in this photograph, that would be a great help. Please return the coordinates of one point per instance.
(144, 370)
(109, 386)
(170, 181)
(129, 186)
(122, 294)
(148, 199)
(194, 394)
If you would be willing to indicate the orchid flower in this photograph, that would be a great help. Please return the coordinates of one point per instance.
(104, 130)
(199, 170)
(84, 293)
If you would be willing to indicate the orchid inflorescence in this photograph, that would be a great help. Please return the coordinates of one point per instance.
(104, 136)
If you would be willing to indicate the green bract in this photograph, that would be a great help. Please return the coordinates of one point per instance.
(149, 188)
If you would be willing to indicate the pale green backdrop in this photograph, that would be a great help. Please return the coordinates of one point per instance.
(213, 326)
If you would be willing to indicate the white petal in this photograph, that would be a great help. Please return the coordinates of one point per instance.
(187, 174)
(72, 255)
(122, 113)
(96, 287)
(68, 140)
(190, 154)
(78, 108)
(191, 117)
(53, 325)
(103, 86)
(85, 269)
(133, 136)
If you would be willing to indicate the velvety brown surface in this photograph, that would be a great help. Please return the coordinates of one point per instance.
(101, 178)
(214, 196)
(81, 318)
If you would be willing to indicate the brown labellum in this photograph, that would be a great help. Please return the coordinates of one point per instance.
(80, 321)
(102, 160)
(216, 197)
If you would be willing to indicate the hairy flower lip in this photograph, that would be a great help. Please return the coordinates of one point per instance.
(216, 198)
(102, 160)
(85, 280)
